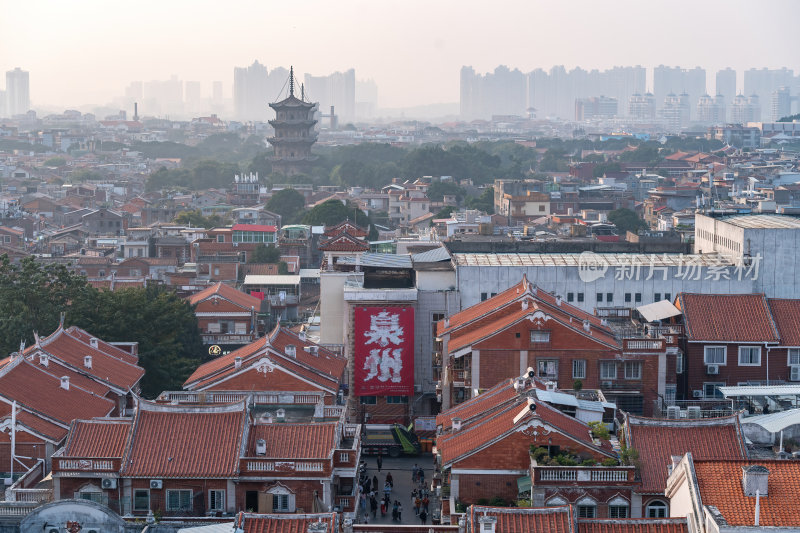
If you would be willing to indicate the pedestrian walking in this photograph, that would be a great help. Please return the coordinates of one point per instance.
(383, 507)
(399, 512)
(375, 482)
(389, 479)
(373, 505)
(394, 512)
(380, 462)
(416, 502)
(363, 501)
(423, 516)
(387, 489)
(425, 502)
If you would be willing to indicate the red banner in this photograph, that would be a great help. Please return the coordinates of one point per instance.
(384, 351)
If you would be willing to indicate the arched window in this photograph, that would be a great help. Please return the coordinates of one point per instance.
(618, 508)
(656, 509)
(282, 500)
(587, 508)
(555, 501)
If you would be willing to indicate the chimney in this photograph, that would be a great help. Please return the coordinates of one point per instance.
(519, 385)
(524, 304)
(318, 527)
(456, 424)
(65, 382)
(302, 336)
(281, 415)
(488, 524)
(754, 480)
(587, 326)
(237, 363)
(446, 322)
(291, 351)
(44, 359)
(87, 361)
(93, 342)
(261, 447)
(558, 301)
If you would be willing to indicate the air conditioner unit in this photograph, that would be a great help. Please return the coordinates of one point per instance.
(156, 484)
(109, 483)
(693, 411)
(712, 369)
(794, 374)
(673, 412)
(697, 394)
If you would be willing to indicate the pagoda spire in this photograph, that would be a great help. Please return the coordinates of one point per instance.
(291, 81)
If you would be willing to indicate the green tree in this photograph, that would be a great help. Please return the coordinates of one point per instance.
(196, 219)
(32, 296)
(331, 212)
(84, 174)
(445, 212)
(55, 162)
(373, 233)
(170, 346)
(265, 254)
(601, 169)
(438, 189)
(484, 202)
(289, 204)
(626, 220)
(283, 268)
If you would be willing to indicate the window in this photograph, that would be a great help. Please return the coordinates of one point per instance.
(633, 370)
(397, 399)
(580, 297)
(711, 390)
(679, 363)
(657, 297)
(587, 510)
(668, 296)
(608, 370)
(638, 297)
(541, 208)
(618, 511)
(540, 336)
(216, 500)
(141, 500)
(282, 500)
(627, 297)
(548, 368)
(599, 296)
(656, 509)
(669, 394)
(368, 400)
(220, 238)
(794, 357)
(179, 500)
(570, 297)
(484, 296)
(93, 496)
(749, 355)
(714, 355)
(579, 368)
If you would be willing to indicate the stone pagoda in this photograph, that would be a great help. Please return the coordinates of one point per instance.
(294, 132)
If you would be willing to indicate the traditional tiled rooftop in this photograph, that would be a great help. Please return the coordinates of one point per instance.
(294, 441)
(720, 484)
(519, 520)
(185, 442)
(284, 523)
(786, 314)
(101, 438)
(727, 318)
(229, 293)
(633, 525)
(491, 399)
(657, 440)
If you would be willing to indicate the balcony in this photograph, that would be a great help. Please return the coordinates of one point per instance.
(254, 466)
(256, 398)
(613, 312)
(644, 345)
(227, 338)
(546, 475)
(276, 301)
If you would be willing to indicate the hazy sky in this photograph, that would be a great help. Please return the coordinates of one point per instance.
(87, 51)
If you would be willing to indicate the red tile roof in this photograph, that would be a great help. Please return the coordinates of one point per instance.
(254, 227)
(657, 440)
(283, 523)
(325, 368)
(491, 399)
(38, 425)
(40, 392)
(185, 442)
(633, 525)
(100, 438)
(727, 318)
(720, 484)
(229, 293)
(347, 226)
(521, 520)
(71, 350)
(786, 314)
(102, 345)
(343, 242)
(294, 441)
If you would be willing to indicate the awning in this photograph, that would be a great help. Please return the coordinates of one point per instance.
(523, 484)
(760, 390)
(658, 310)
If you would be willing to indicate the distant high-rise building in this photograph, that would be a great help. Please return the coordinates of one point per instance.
(711, 109)
(763, 82)
(164, 97)
(134, 91)
(18, 96)
(366, 98)
(781, 103)
(193, 95)
(676, 80)
(726, 83)
(642, 106)
(250, 92)
(337, 89)
(595, 108)
(3, 112)
(216, 93)
(502, 92)
(676, 111)
(745, 109)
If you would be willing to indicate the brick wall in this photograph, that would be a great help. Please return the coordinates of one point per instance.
(732, 373)
(303, 491)
(472, 487)
(271, 381)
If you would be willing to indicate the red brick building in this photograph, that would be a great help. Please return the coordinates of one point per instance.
(280, 361)
(737, 339)
(226, 316)
(527, 327)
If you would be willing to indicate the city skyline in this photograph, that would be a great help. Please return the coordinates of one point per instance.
(414, 59)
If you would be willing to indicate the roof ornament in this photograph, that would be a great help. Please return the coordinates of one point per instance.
(291, 81)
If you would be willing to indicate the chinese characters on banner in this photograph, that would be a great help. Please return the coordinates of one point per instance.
(384, 351)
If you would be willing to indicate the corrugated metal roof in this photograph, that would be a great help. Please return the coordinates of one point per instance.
(573, 260)
(764, 221)
(377, 260)
(760, 390)
(775, 422)
(287, 279)
(432, 256)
